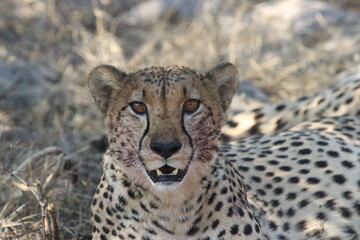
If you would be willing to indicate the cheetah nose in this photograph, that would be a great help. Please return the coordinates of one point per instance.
(165, 149)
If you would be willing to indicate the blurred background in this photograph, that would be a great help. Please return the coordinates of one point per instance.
(50, 129)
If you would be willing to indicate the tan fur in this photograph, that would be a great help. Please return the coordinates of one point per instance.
(129, 157)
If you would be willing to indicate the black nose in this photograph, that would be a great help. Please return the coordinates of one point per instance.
(166, 149)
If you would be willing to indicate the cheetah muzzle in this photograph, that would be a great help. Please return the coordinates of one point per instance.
(167, 174)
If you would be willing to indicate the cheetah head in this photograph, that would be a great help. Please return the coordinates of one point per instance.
(163, 123)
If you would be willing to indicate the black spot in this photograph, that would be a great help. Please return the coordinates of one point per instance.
(192, 230)
(347, 164)
(303, 99)
(273, 162)
(280, 107)
(291, 196)
(230, 212)
(330, 204)
(232, 124)
(97, 218)
(273, 225)
(261, 192)
(212, 198)
(319, 194)
(256, 179)
(283, 149)
(103, 237)
(347, 195)
(131, 236)
(313, 180)
(305, 151)
(257, 228)
(247, 159)
(105, 229)
(108, 211)
(105, 195)
(321, 164)
(278, 191)
(224, 137)
(345, 212)
(304, 171)
(296, 144)
(224, 190)
(221, 233)
(332, 153)
(356, 207)
(322, 143)
(285, 227)
(109, 222)
(247, 229)
(320, 101)
(260, 168)
(258, 116)
(243, 168)
(339, 179)
(321, 216)
(274, 203)
(278, 142)
(240, 211)
(301, 226)
(218, 206)
(345, 149)
(234, 229)
(294, 180)
(304, 161)
(215, 223)
(303, 203)
(290, 212)
(254, 129)
(285, 168)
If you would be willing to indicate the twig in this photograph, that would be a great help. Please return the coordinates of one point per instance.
(36, 190)
(54, 226)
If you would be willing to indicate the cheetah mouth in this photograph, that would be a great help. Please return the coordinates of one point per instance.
(167, 174)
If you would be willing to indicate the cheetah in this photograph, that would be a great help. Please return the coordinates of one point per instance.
(341, 99)
(166, 175)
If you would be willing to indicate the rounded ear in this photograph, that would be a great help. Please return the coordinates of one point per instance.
(102, 81)
(226, 80)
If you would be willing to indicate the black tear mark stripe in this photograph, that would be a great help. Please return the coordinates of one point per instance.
(188, 136)
(145, 132)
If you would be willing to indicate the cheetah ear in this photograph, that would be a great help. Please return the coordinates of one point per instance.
(226, 80)
(102, 81)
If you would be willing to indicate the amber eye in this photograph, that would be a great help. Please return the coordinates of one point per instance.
(191, 105)
(138, 107)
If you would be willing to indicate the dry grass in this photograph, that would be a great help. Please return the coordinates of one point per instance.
(48, 141)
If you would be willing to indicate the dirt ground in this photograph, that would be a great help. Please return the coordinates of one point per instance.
(50, 129)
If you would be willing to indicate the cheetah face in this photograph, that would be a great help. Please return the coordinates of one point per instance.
(163, 123)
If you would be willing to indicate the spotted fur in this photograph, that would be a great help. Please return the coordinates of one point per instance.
(341, 99)
(301, 183)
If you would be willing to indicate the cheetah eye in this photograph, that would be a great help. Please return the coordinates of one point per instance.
(191, 105)
(138, 107)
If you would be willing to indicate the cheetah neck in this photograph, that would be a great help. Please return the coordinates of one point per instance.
(220, 195)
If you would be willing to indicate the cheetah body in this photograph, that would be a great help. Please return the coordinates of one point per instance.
(301, 183)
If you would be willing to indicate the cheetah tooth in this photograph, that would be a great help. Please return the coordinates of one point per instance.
(158, 172)
(175, 172)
